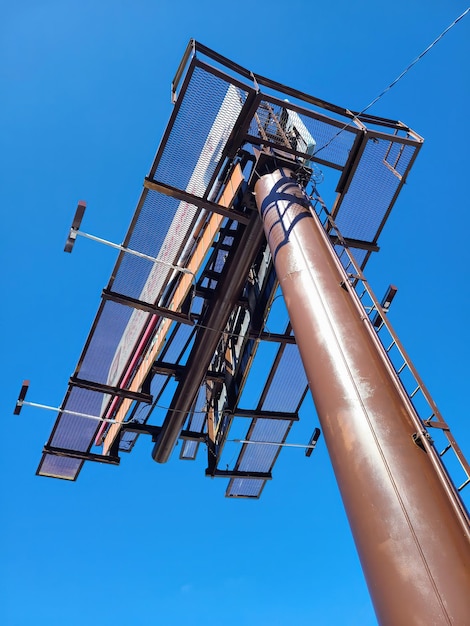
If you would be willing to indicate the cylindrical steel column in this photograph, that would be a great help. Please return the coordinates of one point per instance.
(413, 545)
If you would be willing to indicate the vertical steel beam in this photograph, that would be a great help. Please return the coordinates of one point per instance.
(411, 535)
(228, 292)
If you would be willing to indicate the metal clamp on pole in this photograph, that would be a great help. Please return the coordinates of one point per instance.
(313, 442)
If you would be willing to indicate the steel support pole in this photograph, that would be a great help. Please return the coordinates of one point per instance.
(408, 526)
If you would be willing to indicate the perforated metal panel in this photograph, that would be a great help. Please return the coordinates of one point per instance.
(371, 193)
(282, 388)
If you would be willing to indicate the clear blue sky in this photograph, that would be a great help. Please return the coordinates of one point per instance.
(84, 101)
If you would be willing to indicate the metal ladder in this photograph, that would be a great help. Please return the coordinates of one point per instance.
(452, 457)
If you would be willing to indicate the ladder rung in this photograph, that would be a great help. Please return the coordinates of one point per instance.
(464, 484)
(430, 423)
(390, 346)
(399, 371)
(446, 449)
(412, 395)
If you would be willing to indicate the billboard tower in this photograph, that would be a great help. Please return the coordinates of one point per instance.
(191, 302)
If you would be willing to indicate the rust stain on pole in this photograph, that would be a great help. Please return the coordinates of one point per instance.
(413, 545)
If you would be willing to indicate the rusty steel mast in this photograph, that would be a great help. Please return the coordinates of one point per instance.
(410, 529)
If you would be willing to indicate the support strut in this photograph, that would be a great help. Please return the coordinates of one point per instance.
(408, 524)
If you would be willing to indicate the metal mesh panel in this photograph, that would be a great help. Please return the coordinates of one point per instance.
(260, 458)
(245, 488)
(74, 432)
(208, 113)
(189, 450)
(371, 191)
(59, 467)
(107, 336)
(155, 217)
(168, 221)
(288, 384)
(262, 365)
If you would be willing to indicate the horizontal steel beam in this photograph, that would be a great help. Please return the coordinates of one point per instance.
(84, 456)
(238, 474)
(269, 415)
(192, 435)
(109, 389)
(154, 431)
(190, 198)
(168, 369)
(355, 243)
(272, 337)
(119, 298)
(140, 429)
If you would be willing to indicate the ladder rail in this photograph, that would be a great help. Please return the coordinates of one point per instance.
(389, 340)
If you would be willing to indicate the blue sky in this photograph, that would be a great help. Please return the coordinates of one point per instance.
(85, 100)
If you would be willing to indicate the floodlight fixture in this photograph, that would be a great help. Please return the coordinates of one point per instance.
(313, 442)
(385, 304)
(74, 229)
(21, 397)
